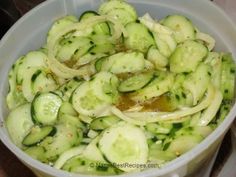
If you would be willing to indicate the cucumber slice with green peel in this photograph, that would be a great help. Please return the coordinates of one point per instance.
(87, 14)
(124, 63)
(159, 128)
(184, 143)
(37, 152)
(45, 107)
(92, 152)
(43, 81)
(15, 96)
(162, 46)
(104, 122)
(183, 27)
(169, 40)
(120, 145)
(66, 137)
(139, 38)
(89, 58)
(99, 39)
(71, 120)
(68, 115)
(197, 82)
(121, 10)
(203, 131)
(15, 99)
(86, 102)
(123, 16)
(21, 117)
(67, 108)
(80, 164)
(228, 69)
(223, 112)
(37, 80)
(66, 90)
(104, 86)
(59, 25)
(187, 56)
(101, 28)
(73, 48)
(156, 58)
(135, 82)
(99, 63)
(32, 59)
(37, 134)
(160, 157)
(12, 75)
(75, 151)
(106, 48)
(157, 87)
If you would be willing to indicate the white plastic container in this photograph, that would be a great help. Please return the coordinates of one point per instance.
(29, 33)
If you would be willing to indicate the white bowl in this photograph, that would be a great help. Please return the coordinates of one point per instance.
(29, 33)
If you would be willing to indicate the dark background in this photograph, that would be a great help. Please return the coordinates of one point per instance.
(10, 166)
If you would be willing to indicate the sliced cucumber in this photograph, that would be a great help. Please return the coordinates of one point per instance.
(37, 152)
(15, 96)
(207, 39)
(73, 48)
(187, 56)
(68, 115)
(228, 77)
(37, 134)
(184, 143)
(214, 59)
(67, 108)
(87, 14)
(32, 59)
(37, 80)
(120, 145)
(184, 30)
(156, 58)
(86, 102)
(124, 63)
(159, 128)
(197, 82)
(92, 152)
(66, 136)
(121, 10)
(80, 164)
(75, 151)
(104, 86)
(99, 63)
(162, 46)
(101, 28)
(59, 25)
(106, 48)
(223, 112)
(104, 122)
(21, 117)
(89, 57)
(45, 108)
(43, 81)
(135, 82)
(159, 85)
(123, 16)
(160, 157)
(139, 38)
(66, 90)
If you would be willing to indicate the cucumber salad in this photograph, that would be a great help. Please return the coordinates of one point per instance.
(112, 93)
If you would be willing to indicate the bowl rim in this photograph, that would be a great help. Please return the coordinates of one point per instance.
(169, 167)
